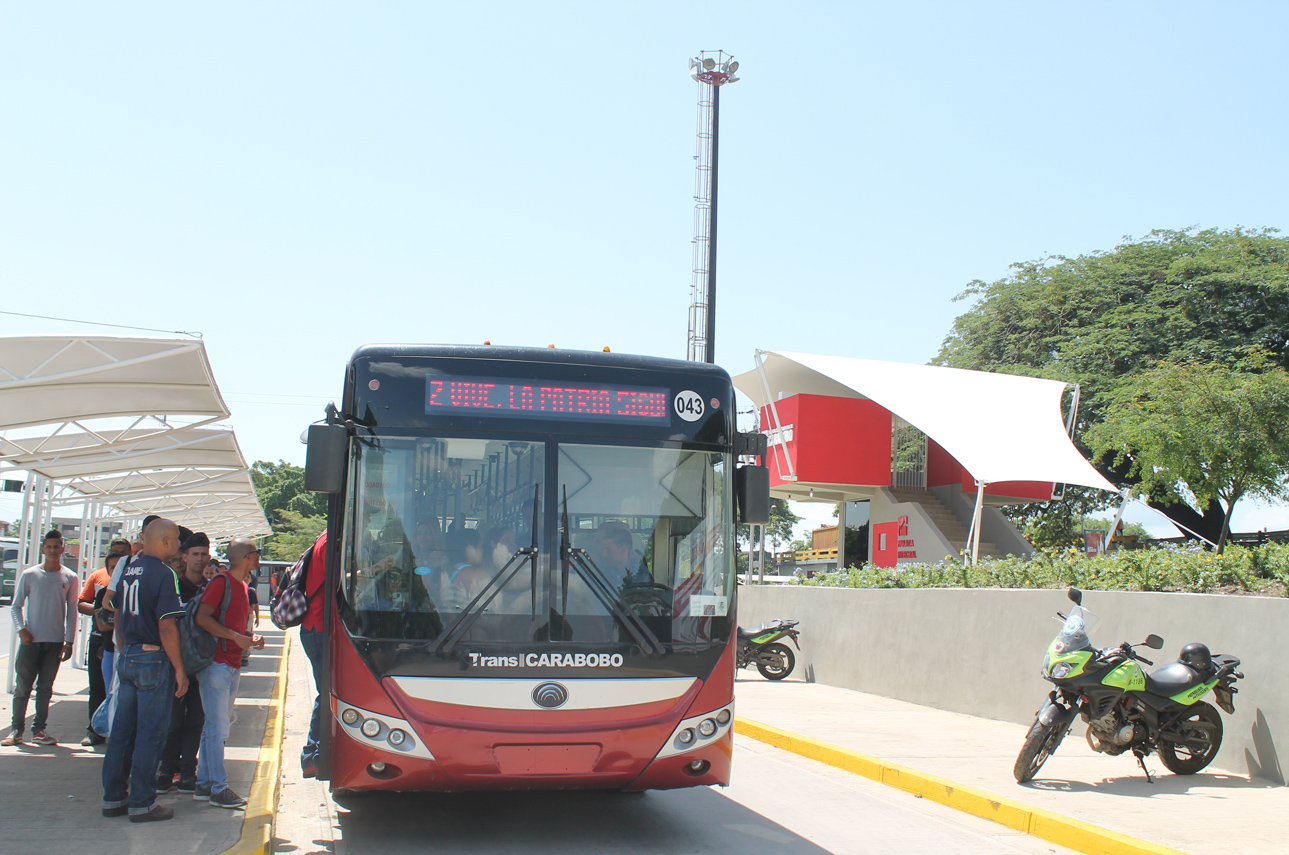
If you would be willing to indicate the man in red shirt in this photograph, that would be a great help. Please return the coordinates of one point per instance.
(85, 605)
(219, 679)
(312, 639)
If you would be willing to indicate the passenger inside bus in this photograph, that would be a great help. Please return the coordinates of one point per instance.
(465, 577)
(430, 555)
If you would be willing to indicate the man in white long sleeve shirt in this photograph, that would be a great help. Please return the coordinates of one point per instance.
(44, 611)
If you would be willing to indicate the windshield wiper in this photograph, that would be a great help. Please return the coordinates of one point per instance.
(472, 612)
(602, 589)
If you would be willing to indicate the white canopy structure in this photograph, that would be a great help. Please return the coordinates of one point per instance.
(1000, 427)
(75, 409)
(123, 427)
(64, 382)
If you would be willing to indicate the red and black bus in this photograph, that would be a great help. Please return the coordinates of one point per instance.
(531, 573)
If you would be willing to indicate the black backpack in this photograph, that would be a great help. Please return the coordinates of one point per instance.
(196, 645)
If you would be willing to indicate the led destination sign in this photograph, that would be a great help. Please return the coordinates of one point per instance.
(511, 397)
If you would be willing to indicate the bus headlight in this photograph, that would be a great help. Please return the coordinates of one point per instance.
(686, 736)
(724, 717)
(397, 737)
(350, 717)
(707, 727)
(371, 728)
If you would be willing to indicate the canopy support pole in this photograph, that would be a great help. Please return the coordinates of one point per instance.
(760, 551)
(974, 538)
(841, 534)
(778, 423)
(1114, 526)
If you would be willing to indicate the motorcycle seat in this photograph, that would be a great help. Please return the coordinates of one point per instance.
(757, 630)
(1171, 679)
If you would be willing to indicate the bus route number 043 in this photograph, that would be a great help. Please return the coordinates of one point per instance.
(689, 406)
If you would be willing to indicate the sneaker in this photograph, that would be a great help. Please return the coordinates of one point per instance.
(200, 793)
(226, 798)
(157, 814)
(12, 739)
(116, 811)
(93, 739)
(42, 738)
(165, 781)
(187, 785)
(310, 771)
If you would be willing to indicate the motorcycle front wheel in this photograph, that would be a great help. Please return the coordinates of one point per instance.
(1199, 745)
(1034, 753)
(776, 672)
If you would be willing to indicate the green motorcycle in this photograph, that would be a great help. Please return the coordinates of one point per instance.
(1125, 708)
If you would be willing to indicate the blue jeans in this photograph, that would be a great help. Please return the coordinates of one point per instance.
(218, 692)
(312, 641)
(145, 689)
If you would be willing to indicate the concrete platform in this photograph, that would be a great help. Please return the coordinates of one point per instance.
(1216, 811)
(50, 797)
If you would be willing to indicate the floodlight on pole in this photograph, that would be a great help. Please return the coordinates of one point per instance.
(712, 70)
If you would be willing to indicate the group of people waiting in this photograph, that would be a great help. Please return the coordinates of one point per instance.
(168, 727)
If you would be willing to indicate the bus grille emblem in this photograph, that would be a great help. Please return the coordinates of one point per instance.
(550, 695)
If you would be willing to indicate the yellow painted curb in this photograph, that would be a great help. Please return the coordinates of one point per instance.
(261, 804)
(1053, 827)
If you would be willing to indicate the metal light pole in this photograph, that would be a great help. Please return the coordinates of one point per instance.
(712, 70)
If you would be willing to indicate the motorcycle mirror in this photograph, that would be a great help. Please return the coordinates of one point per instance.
(1076, 596)
(1154, 642)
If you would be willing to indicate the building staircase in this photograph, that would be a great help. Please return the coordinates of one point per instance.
(950, 526)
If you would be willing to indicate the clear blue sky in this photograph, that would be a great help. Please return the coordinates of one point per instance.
(297, 179)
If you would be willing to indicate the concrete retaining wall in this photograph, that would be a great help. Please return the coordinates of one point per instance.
(979, 651)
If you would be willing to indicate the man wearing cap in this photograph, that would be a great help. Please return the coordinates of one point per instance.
(149, 674)
(187, 717)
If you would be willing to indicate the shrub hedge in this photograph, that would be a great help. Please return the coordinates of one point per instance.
(1260, 570)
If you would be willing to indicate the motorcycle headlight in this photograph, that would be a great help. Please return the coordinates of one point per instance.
(1061, 670)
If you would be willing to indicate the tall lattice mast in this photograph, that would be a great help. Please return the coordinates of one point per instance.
(712, 70)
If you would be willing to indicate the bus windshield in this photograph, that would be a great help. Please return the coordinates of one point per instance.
(516, 541)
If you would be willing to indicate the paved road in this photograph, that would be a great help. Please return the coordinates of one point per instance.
(779, 802)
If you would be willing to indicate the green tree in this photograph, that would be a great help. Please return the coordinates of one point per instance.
(280, 487)
(1101, 319)
(292, 511)
(293, 535)
(1201, 433)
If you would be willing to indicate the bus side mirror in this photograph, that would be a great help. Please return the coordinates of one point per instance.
(325, 458)
(752, 487)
